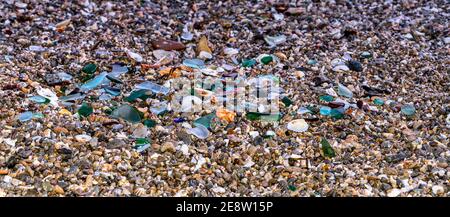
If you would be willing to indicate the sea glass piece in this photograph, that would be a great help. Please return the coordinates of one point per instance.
(85, 110)
(26, 116)
(141, 94)
(328, 151)
(155, 88)
(408, 109)
(93, 83)
(199, 131)
(89, 68)
(39, 99)
(344, 91)
(128, 113)
(194, 63)
(325, 110)
(159, 108)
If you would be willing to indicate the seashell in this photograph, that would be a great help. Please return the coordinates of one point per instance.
(298, 125)
(140, 192)
(135, 56)
(204, 55)
(83, 138)
(230, 51)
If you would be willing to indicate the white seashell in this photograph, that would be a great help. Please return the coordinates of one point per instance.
(230, 51)
(298, 125)
(337, 62)
(83, 138)
(135, 56)
(331, 92)
(140, 192)
(394, 192)
(253, 134)
(10, 142)
(295, 156)
(339, 68)
(184, 149)
(204, 55)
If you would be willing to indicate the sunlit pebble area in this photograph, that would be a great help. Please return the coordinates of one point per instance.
(86, 95)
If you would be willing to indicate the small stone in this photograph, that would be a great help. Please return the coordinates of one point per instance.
(389, 136)
(219, 190)
(299, 74)
(116, 143)
(280, 55)
(366, 54)
(4, 172)
(230, 51)
(58, 190)
(295, 11)
(64, 112)
(61, 78)
(59, 130)
(168, 146)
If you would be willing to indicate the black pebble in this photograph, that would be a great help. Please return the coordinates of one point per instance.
(354, 66)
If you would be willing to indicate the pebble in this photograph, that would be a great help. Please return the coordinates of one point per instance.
(168, 146)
